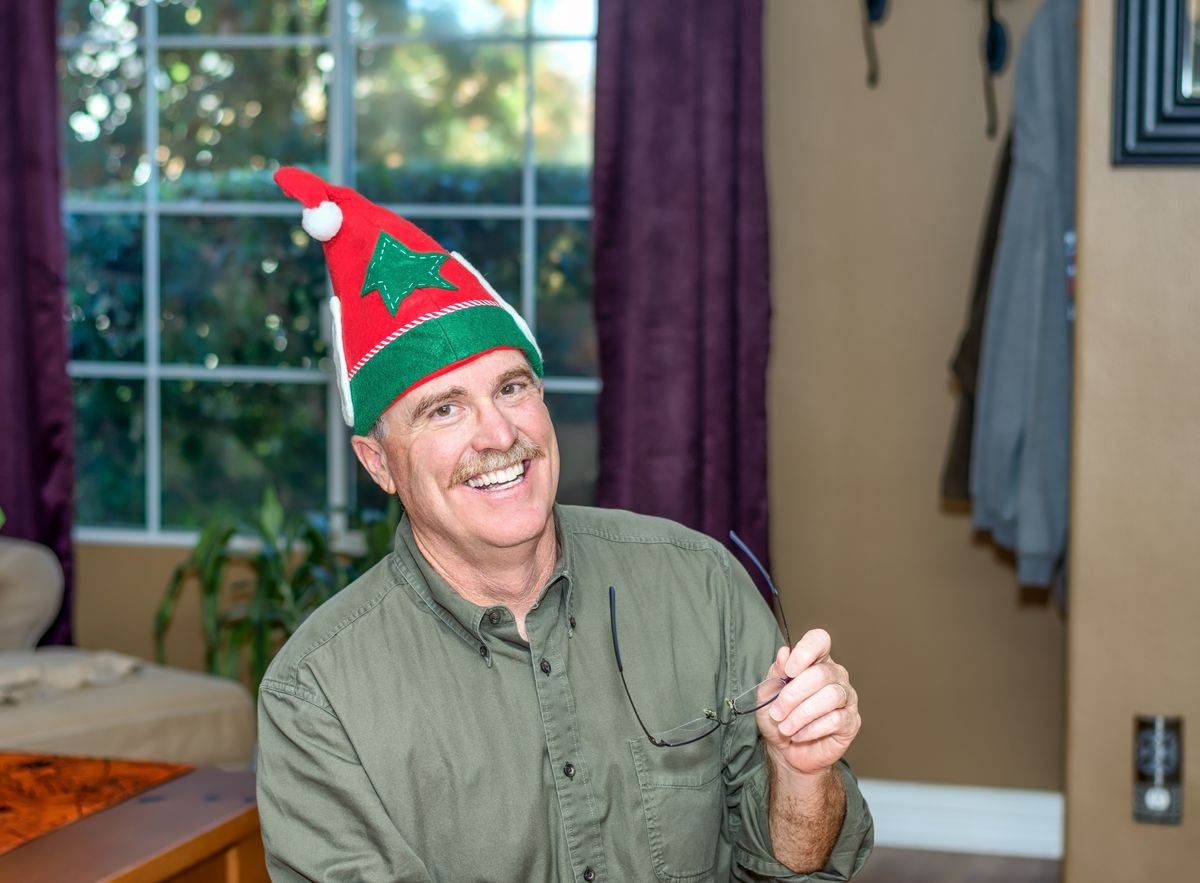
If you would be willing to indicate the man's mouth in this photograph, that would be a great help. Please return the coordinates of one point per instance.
(500, 479)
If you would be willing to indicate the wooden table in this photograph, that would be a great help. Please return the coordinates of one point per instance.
(199, 828)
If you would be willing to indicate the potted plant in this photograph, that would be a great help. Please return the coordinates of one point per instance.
(295, 569)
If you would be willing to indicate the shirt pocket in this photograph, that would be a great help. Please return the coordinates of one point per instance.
(683, 799)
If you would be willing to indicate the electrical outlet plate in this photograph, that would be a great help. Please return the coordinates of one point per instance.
(1158, 769)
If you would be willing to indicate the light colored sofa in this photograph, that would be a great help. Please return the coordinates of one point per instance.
(65, 700)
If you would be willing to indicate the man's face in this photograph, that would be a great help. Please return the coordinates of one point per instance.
(472, 455)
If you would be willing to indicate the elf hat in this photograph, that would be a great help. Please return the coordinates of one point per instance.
(404, 309)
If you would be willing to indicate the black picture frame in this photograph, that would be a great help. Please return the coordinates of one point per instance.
(1154, 123)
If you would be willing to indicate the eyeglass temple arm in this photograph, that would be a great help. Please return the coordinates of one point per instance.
(612, 619)
(770, 583)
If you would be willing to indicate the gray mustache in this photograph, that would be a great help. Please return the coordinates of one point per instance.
(490, 461)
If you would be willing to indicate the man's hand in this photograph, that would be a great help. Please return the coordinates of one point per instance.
(812, 722)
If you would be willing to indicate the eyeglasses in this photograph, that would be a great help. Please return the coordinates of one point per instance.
(747, 702)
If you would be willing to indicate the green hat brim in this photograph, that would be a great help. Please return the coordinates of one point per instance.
(430, 349)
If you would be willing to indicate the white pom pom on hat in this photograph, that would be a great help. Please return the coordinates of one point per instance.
(323, 222)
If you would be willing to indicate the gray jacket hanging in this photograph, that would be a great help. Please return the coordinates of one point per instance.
(1020, 465)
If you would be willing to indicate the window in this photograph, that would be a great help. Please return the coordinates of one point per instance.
(198, 332)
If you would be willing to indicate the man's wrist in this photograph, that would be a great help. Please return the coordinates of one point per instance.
(797, 782)
(806, 811)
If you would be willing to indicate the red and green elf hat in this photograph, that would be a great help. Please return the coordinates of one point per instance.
(404, 309)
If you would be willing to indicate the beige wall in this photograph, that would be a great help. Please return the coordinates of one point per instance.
(117, 593)
(878, 199)
(1133, 638)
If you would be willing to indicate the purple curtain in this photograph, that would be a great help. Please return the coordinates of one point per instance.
(36, 407)
(682, 294)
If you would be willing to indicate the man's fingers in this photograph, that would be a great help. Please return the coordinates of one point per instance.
(828, 702)
(781, 658)
(813, 647)
(843, 721)
(818, 691)
(808, 683)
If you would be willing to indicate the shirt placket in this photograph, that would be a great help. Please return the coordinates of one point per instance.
(549, 633)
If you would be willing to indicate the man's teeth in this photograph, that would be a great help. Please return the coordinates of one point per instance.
(500, 476)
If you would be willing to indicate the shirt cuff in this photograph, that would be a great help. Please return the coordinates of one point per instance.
(754, 859)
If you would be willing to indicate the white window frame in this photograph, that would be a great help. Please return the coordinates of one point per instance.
(340, 153)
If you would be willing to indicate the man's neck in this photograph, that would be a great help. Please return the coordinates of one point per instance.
(512, 577)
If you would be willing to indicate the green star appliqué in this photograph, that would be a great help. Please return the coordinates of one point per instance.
(396, 271)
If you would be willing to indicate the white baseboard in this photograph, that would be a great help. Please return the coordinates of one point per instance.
(959, 818)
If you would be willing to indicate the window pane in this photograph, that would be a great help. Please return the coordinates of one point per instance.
(564, 17)
(574, 416)
(222, 443)
(110, 466)
(107, 20)
(563, 81)
(104, 286)
(441, 123)
(102, 99)
(230, 117)
(492, 246)
(241, 291)
(370, 18)
(565, 328)
(292, 18)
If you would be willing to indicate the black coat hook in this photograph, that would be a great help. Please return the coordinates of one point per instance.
(873, 12)
(994, 50)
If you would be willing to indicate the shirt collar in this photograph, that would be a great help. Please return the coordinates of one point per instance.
(459, 614)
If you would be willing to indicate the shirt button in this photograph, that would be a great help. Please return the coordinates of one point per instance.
(571, 622)
(589, 875)
(483, 650)
(494, 616)
(544, 666)
(569, 770)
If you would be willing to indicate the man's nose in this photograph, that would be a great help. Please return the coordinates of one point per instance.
(494, 429)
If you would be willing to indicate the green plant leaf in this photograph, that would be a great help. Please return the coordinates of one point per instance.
(166, 610)
(271, 516)
(232, 644)
(213, 554)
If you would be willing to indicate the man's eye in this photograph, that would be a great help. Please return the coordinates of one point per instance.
(443, 410)
(513, 388)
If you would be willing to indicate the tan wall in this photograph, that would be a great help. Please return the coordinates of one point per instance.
(1133, 638)
(878, 199)
(118, 589)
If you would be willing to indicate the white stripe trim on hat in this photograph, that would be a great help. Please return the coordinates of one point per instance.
(339, 361)
(420, 320)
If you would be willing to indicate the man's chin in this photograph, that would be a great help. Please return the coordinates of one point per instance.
(506, 529)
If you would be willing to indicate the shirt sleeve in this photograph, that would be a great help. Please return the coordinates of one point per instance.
(321, 818)
(754, 639)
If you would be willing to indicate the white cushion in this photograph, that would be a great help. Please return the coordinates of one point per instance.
(154, 713)
(31, 589)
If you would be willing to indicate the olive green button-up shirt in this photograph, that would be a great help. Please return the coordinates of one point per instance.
(408, 734)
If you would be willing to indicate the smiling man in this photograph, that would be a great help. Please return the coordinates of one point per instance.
(465, 711)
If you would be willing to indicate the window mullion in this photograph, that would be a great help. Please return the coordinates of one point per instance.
(151, 281)
(528, 191)
(338, 466)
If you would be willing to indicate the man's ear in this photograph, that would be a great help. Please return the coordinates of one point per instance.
(373, 457)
